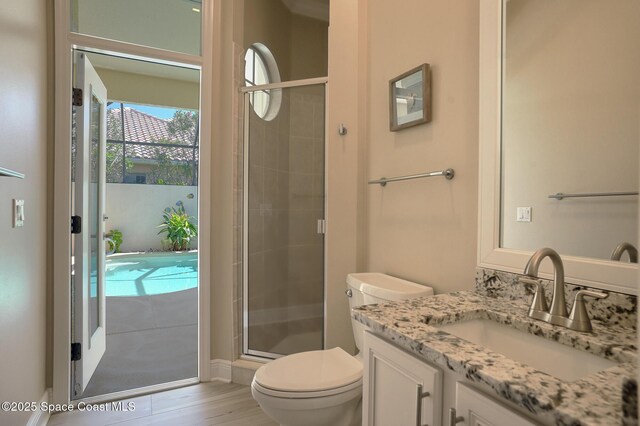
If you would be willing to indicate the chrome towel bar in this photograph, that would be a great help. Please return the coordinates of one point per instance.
(11, 173)
(560, 195)
(448, 174)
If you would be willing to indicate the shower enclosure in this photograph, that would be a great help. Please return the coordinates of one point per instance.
(284, 210)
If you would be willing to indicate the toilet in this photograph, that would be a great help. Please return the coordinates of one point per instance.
(319, 388)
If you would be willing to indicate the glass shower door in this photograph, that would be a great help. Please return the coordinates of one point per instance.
(284, 183)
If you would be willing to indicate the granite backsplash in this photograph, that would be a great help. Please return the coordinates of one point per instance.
(618, 308)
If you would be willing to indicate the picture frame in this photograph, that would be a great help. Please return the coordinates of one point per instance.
(410, 98)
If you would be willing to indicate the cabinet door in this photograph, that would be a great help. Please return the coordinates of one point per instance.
(398, 389)
(477, 409)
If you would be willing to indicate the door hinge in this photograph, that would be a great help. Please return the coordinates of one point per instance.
(322, 226)
(76, 97)
(76, 351)
(76, 224)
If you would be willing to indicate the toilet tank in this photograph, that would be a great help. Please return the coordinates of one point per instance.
(369, 288)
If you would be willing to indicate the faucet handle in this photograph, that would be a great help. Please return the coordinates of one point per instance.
(579, 318)
(591, 293)
(539, 302)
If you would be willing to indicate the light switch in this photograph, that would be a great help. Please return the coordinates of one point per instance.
(18, 213)
(523, 214)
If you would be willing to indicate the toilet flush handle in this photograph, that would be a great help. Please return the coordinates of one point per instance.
(348, 292)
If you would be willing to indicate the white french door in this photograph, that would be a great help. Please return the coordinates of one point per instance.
(88, 319)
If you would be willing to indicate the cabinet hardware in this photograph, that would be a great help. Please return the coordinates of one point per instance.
(454, 419)
(420, 395)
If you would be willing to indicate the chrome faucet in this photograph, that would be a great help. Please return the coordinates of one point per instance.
(629, 248)
(557, 315)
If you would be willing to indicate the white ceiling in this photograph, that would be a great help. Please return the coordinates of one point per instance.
(144, 68)
(316, 9)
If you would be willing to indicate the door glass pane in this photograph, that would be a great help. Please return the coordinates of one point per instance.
(94, 213)
(166, 24)
(285, 177)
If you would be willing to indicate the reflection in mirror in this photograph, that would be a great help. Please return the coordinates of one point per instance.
(625, 247)
(570, 124)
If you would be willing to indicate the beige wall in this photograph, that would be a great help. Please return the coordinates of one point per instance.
(24, 27)
(424, 230)
(346, 96)
(143, 89)
(309, 47)
(299, 44)
(570, 124)
(225, 121)
(268, 22)
(403, 234)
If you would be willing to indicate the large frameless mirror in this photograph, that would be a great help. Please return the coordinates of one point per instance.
(559, 136)
(570, 127)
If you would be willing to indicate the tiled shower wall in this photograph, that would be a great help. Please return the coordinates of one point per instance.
(268, 234)
(238, 182)
(305, 293)
(286, 198)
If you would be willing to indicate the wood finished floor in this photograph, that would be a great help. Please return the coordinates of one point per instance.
(211, 403)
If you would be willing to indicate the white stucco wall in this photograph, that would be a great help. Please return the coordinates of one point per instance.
(136, 210)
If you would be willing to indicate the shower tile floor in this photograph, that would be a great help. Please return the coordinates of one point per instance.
(150, 340)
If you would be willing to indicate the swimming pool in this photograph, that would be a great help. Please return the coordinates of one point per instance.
(141, 274)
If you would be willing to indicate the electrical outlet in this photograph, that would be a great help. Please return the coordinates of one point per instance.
(523, 214)
(18, 213)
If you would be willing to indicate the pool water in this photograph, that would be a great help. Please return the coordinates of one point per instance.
(149, 274)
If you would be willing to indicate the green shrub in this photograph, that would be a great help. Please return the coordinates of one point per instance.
(116, 236)
(178, 226)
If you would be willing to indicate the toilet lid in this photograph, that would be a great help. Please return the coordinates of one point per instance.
(310, 371)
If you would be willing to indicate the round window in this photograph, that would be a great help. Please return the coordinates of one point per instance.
(260, 69)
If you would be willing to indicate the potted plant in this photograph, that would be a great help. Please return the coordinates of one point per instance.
(178, 226)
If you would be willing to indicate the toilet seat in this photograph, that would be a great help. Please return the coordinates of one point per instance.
(310, 374)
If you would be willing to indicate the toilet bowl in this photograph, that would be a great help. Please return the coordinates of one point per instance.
(311, 388)
(319, 388)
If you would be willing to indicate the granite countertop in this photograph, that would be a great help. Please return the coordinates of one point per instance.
(593, 400)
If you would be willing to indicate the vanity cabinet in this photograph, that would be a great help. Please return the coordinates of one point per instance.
(395, 387)
(398, 388)
(476, 409)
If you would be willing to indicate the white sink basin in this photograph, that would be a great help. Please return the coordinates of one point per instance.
(555, 359)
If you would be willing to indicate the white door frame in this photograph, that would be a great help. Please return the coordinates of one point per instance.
(65, 42)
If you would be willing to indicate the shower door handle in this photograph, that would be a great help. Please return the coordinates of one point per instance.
(322, 226)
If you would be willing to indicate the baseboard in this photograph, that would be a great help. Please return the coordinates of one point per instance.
(39, 417)
(242, 371)
(220, 370)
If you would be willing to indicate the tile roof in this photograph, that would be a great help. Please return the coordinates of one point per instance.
(145, 128)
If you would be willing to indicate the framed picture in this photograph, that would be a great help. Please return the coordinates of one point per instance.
(410, 98)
